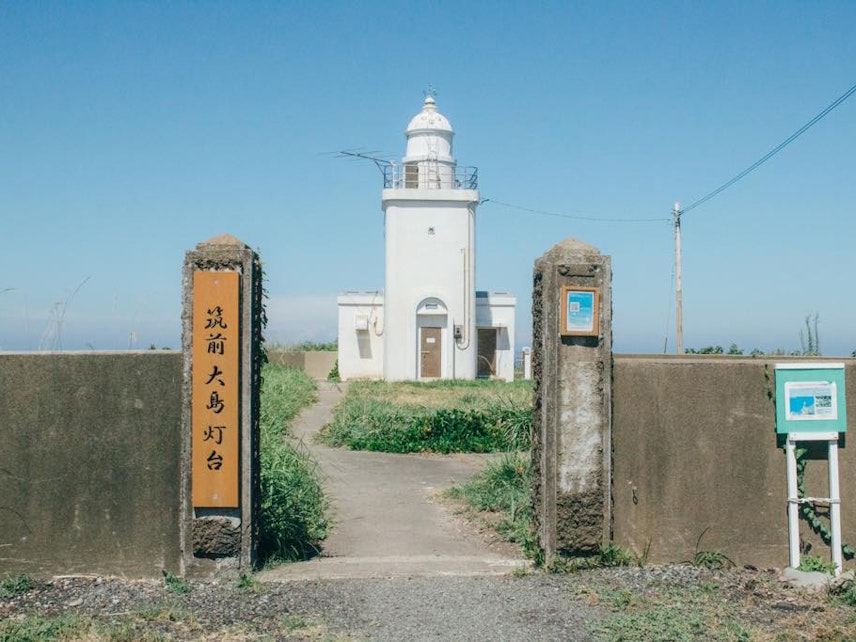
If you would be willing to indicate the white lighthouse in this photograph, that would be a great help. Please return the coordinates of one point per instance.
(430, 323)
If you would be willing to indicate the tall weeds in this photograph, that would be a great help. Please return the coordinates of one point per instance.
(502, 487)
(293, 512)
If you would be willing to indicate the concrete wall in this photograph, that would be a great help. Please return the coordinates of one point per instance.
(90, 463)
(315, 363)
(695, 448)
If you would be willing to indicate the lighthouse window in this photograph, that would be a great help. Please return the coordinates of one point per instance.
(411, 175)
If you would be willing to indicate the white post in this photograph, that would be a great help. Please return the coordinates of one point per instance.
(835, 506)
(793, 503)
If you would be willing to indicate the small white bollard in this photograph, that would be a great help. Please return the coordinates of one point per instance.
(527, 363)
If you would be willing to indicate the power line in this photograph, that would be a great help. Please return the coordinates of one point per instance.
(575, 217)
(773, 151)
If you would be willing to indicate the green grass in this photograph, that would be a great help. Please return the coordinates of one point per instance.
(174, 584)
(608, 555)
(246, 582)
(439, 416)
(10, 586)
(156, 624)
(844, 591)
(713, 560)
(304, 346)
(293, 512)
(502, 488)
(811, 563)
(128, 627)
(676, 614)
(285, 392)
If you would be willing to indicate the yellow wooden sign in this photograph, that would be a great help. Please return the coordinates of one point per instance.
(215, 385)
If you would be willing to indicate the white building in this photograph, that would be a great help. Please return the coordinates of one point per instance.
(429, 322)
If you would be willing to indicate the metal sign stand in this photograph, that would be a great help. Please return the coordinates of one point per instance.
(794, 500)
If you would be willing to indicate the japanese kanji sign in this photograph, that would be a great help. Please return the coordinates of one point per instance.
(215, 409)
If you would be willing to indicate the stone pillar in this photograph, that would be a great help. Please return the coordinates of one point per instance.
(571, 420)
(221, 338)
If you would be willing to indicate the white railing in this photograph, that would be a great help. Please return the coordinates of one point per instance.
(429, 176)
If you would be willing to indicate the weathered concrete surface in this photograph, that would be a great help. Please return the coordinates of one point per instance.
(317, 364)
(225, 252)
(386, 521)
(89, 464)
(215, 537)
(571, 415)
(695, 451)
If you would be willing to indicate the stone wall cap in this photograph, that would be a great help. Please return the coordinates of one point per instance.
(573, 245)
(222, 239)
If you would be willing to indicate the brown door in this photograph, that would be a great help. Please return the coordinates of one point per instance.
(487, 353)
(429, 345)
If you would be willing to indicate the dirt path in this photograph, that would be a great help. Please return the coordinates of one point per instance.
(386, 520)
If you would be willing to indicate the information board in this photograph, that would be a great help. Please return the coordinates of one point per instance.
(580, 311)
(810, 398)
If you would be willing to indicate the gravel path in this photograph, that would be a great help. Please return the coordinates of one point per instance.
(534, 606)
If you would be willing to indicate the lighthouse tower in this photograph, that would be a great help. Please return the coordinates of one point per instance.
(429, 298)
(429, 322)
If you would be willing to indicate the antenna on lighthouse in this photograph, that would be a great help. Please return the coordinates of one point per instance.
(379, 162)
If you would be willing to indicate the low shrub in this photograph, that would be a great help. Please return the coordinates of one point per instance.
(175, 584)
(10, 586)
(334, 376)
(440, 417)
(816, 563)
(713, 560)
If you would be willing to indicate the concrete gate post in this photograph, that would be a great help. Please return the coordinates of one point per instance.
(571, 421)
(221, 338)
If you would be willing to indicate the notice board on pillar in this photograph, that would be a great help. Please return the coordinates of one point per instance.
(810, 398)
(580, 313)
(215, 385)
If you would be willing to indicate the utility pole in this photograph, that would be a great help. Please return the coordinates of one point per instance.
(679, 304)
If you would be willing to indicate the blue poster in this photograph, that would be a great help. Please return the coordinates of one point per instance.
(580, 317)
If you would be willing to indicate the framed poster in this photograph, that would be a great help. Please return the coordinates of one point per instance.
(580, 311)
(810, 397)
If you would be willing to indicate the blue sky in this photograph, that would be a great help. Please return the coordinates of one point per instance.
(132, 131)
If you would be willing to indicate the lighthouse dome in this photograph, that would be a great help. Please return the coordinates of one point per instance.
(429, 136)
(429, 119)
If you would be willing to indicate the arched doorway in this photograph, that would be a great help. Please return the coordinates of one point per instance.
(431, 327)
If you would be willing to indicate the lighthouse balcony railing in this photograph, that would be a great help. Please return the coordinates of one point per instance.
(442, 177)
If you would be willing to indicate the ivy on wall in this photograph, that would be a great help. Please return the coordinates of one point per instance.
(809, 512)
